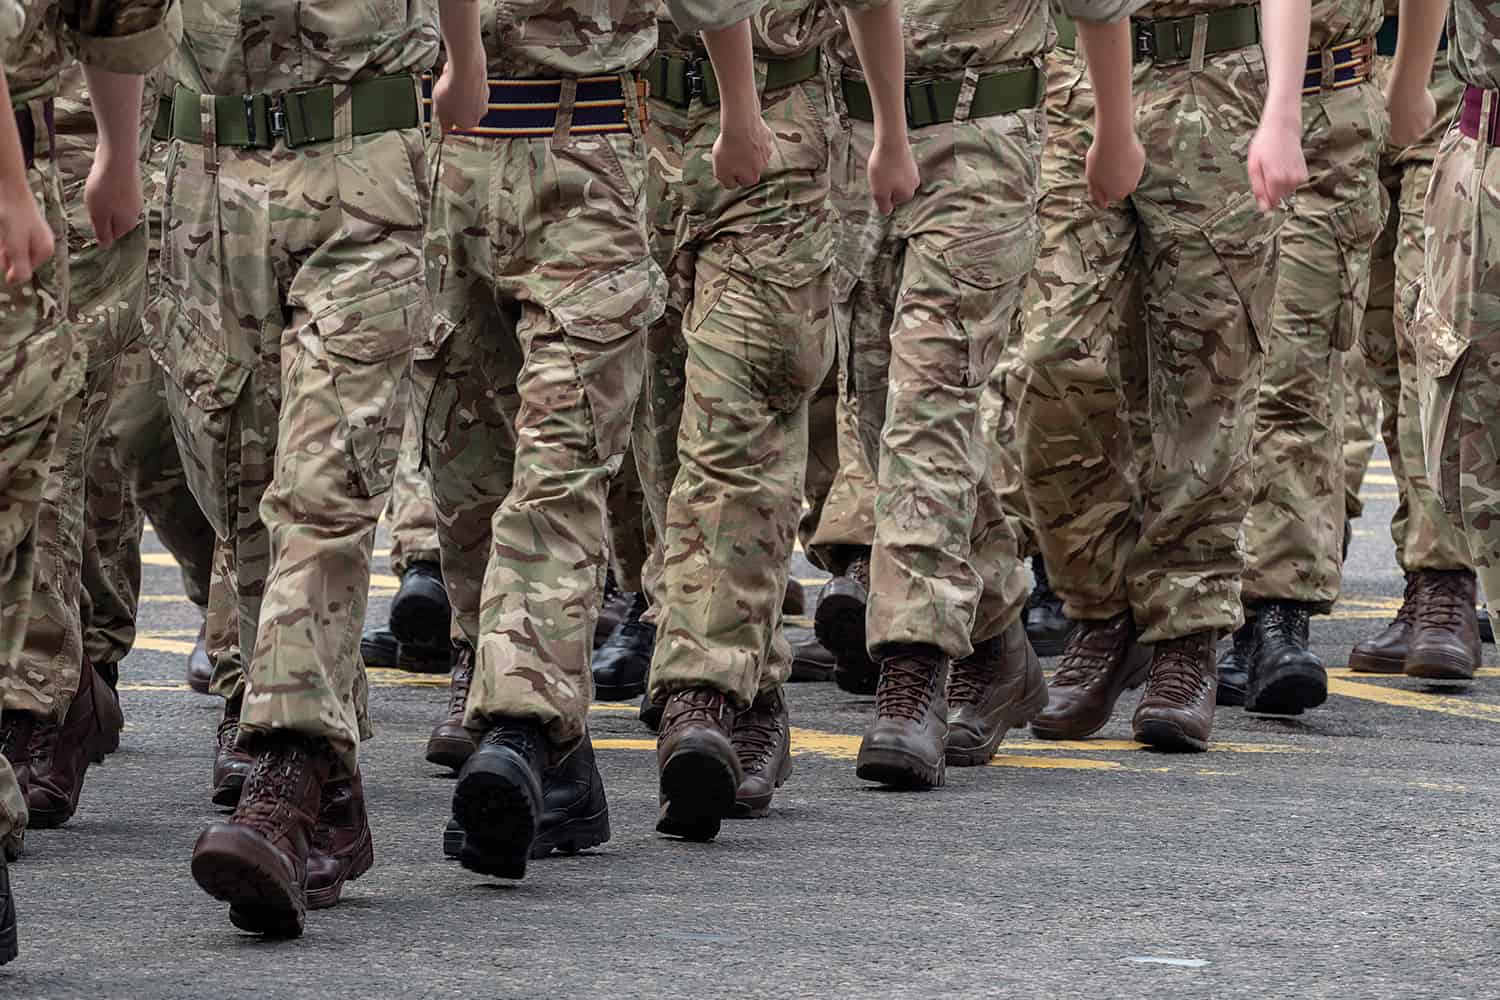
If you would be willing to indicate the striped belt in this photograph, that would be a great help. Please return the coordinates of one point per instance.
(1350, 65)
(1473, 110)
(527, 108)
(26, 128)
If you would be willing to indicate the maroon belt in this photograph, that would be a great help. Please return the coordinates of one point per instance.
(1468, 119)
(26, 127)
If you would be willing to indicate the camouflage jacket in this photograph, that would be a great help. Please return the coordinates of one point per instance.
(782, 29)
(270, 46)
(1474, 30)
(567, 38)
(949, 36)
(1337, 21)
(38, 37)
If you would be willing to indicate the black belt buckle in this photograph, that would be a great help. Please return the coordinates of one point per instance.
(921, 104)
(696, 88)
(1145, 41)
(249, 102)
(276, 118)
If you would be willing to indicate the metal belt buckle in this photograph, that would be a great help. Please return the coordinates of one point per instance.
(1145, 41)
(276, 115)
(249, 100)
(696, 88)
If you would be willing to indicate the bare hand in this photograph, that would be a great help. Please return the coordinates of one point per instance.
(741, 156)
(1114, 168)
(461, 95)
(1277, 168)
(25, 237)
(893, 174)
(112, 195)
(1412, 115)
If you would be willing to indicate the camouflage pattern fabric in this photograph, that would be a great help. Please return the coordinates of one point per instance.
(631, 534)
(938, 295)
(1164, 541)
(286, 340)
(1425, 536)
(746, 342)
(1295, 529)
(1361, 420)
(1458, 342)
(411, 517)
(841, 514)
(39, 38)
(532, 375)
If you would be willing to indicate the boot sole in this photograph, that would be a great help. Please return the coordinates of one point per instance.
(626, 692)
(449, 753)
(1289, 692)
(574, 836)
(259, 901)
(1168, 736)
(328, 896)
(898, 769)
(499, 819)
(49, 819)
(206, 686)
(1367, 663)
(698, 789)
(1439, 666)
(759, 807)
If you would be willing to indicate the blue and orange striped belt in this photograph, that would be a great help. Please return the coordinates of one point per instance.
(1352, 64)
(528, 108)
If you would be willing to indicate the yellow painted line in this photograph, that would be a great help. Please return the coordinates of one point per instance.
(846, 748)
(1462, 708)
(1381, 480)
(1346, 672)
(1055, 763)
(123, 686)
(157, 645)
(1380, 495)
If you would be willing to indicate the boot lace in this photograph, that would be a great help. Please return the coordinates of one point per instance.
(1090, 654)
(1176, 674)
(859, 571)
(755, 734)
(1285, 623)
(523, 739)
(905, 690)
(969, 677)
(695, 706)
(273, 782)
(1407, 614)
(463, 676)
(229, 727)
(1448, 602)
(43, 741)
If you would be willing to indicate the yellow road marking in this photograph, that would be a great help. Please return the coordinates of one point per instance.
(1463, 708)
(1380, 479)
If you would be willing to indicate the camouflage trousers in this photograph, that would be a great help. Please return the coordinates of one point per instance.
(1424, 535)
(1361, 418)
(839, 483)
(937, 298)
(1295, 529)
(721, 440)
(411, 515)
(543, 288)
(1163, 540)
(1458, 343)
(41, 370)
(286, 338)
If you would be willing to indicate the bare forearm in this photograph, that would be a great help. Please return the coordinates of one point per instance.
(116, 100)
(1421, 28)
(12, 159)
(733, 58)
(876, 33)
(459, 21)
(1107, 51)
(1286, 28)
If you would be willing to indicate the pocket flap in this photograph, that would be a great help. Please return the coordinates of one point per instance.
(996, 259)
(377, 326)
(624, 301)
(204, 372)
(1439, 344)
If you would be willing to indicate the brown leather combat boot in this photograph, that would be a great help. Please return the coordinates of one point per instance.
(1445, 635)
(60, 757)
(1386, 652)
(1177, 710)
(15, 746)
(700, 771)
(762, 738)
(256, 861)
(904, 746)
(450, 743)
(8, 944)
(342, 849)
(1100, 662)
(231, 764)
(995, 688)
(107, 708)
(200, 669)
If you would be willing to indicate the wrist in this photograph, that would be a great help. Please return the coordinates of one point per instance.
(740, 116)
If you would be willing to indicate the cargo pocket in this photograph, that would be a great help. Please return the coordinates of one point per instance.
(1356, 225)
(369, 346)
(605, 322)
(203, 387)
(991, 273)
(1244, 241)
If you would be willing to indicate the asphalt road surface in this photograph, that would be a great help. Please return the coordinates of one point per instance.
(1348, 853)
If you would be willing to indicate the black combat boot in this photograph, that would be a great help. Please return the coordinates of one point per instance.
(1286, 678)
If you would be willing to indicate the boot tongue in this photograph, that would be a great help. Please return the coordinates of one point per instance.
(906, 687)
